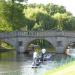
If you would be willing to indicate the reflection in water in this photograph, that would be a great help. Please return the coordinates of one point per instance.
(7, 55)
(21, 65)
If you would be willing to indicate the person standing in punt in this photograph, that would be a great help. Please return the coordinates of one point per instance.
(42, 55)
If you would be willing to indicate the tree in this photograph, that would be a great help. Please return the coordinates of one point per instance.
(4, 25)
(15, 15)
(64, 21)
(52, 9)
(31, 13)
(58, 17)
(69, 24)
(45, 21)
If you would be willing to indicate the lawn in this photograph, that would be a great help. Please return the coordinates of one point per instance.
(67, 69)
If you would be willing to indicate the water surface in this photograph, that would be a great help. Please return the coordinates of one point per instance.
(12, 64)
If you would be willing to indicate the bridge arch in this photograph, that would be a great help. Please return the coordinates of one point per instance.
(10, 42)
(6, 43)
(40, 43)
(70, 45)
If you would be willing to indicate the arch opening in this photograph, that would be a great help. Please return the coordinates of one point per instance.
(70, 48)
(7, 51)
(38, 44)
(6, 45)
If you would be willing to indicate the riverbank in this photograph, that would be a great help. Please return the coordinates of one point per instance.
(67, 69)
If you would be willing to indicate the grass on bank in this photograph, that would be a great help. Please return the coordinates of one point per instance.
(67, 69)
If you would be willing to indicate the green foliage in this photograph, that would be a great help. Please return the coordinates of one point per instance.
(63, 21)
(4, 25)
(69, 24)
(45, 21)
(48, 17)
(52, 9)
(15, 16)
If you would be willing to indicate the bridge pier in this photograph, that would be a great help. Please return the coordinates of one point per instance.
(21, 49)
(59, 49)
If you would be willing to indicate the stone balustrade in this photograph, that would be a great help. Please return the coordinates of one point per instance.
(37, 34)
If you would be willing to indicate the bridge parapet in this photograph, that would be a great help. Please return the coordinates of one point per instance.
(36, 34)
(69, 34)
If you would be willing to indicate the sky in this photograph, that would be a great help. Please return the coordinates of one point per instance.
(68, 4)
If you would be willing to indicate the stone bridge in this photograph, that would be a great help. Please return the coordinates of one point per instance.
(59, 39)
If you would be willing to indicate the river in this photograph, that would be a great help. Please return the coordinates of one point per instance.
(10, 64)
